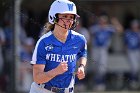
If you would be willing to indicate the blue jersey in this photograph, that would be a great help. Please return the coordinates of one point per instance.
(132, 39)
(50, 52)
(102, 35)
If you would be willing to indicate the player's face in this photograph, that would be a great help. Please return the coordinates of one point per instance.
(103, 20)
(66, 20)
(135, 27)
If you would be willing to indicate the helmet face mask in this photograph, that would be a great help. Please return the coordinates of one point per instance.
(61, 7)
(68, 20)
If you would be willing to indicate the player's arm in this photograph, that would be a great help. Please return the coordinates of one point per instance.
(82, 62)
(81, 68)
(40, 76)
(118, 26)
(82, 55)
(39, 62)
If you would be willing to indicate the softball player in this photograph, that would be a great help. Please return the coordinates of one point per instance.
(132, 42)
(102, 33)
(57, 51)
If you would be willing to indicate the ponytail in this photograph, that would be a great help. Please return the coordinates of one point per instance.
(48, 27)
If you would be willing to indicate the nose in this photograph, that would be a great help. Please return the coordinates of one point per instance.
(70, 20)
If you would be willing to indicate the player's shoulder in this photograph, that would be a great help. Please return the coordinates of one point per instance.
(111, 27)
(128, 31)
(45, 36)
(77, 35)
(94, 28)
(74, 33)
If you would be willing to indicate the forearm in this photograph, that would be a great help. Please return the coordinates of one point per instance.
(83, 61)
(43, 77)
(81, 68)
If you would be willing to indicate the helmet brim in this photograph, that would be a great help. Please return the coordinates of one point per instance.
(67, 12)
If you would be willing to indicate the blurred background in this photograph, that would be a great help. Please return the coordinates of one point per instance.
(112, 30)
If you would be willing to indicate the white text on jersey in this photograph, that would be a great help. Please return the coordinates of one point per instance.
(61, 58)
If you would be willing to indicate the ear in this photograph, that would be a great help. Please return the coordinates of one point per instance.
(56, 20)
(75, 23)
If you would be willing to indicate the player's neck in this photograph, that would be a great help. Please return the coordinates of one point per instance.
(61, 34)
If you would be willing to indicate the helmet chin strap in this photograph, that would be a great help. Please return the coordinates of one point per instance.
(64, 25)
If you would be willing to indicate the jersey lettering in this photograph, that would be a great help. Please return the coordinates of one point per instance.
(61, 58)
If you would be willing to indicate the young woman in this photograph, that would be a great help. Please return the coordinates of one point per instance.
(57, 51)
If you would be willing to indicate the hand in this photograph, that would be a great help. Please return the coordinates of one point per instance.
(61, 68)
(81, 73)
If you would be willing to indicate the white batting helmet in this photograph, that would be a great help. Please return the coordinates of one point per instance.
(61, 7)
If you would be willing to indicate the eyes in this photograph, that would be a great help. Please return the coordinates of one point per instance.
(67, 16)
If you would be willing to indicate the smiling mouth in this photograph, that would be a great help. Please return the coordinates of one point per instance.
(65, 25)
